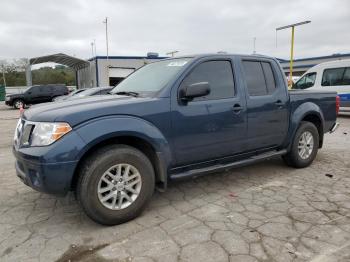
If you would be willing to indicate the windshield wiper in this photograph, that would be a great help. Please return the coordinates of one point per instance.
(127, 93)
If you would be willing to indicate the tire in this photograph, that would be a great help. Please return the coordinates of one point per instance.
(17, 103)
(295, 156)
(90, 181)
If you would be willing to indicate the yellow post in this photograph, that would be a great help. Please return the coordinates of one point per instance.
(291, 60)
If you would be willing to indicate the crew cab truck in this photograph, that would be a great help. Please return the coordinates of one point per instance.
(171, 119)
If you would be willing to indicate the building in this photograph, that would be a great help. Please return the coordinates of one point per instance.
(300, 66)
(109, 71)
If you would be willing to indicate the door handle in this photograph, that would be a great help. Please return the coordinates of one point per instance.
(279, 103)
(237, 108)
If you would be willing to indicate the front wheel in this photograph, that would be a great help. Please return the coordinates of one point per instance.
(115, 184)
(18, 103)
(305, 146)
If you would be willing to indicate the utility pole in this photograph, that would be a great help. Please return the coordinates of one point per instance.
(172, 53)
(254, 40)
(95, 47)
(92, 49)
(106, 22)
(291, 46)
(3, 74)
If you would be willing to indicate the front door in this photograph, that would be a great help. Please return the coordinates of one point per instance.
(34, 95)
(213, 126)
(267, 104)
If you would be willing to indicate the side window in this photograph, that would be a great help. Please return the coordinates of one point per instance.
(45, 89)
(219, 76)
(59, 89)
(34, 90)
(269, 77)
(333, 77)
(255, 79)
(306, 81)
(346, 78)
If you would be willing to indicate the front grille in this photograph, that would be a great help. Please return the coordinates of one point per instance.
(22, 133)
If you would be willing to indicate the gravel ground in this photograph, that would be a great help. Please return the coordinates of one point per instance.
(263, 212)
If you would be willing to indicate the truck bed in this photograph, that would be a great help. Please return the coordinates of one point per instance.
(325, 100)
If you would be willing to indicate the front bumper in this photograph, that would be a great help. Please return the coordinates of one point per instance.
(53, 178)
(49, 169)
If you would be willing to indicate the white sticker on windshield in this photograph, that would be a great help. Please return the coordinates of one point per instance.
(178, 63)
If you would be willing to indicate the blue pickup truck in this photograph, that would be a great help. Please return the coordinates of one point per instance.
(171, 119)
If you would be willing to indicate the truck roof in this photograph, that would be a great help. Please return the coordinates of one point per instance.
(221, 54)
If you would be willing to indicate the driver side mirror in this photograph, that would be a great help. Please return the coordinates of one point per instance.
(194, 90)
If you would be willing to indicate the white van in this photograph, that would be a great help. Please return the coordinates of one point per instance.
(328, 76)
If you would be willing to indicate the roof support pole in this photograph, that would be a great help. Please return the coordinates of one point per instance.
(29, 74)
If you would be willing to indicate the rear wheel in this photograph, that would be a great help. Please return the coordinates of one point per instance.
(115, 184)
(305, 146)
(18, 103)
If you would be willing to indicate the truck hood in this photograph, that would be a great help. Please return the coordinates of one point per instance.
(80, 110)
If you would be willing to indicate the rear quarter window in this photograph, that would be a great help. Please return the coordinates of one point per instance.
(269, 77)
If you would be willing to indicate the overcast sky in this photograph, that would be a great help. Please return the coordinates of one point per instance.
(41, 27)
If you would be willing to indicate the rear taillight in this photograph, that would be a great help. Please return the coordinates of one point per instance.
(337, 104)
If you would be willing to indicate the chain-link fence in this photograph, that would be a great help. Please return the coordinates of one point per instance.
(2, 93)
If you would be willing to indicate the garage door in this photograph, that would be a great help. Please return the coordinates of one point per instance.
(120, 72)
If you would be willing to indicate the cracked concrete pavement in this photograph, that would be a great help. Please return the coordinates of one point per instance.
(263, 212)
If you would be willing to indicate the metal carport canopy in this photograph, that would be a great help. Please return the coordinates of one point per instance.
(62, 59)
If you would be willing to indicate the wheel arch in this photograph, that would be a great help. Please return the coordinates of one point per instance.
(316, 120)
(308, 112)
(129, 131)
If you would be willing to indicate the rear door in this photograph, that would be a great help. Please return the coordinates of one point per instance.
(213, 126)
(46, 93)
(267, 103)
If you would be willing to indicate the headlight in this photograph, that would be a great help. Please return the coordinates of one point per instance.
(45, 134)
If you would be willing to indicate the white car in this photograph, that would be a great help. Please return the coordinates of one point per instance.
(328, 76)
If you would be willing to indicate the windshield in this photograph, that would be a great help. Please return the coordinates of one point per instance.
(152, 77)
(306, 81)
(27, 89)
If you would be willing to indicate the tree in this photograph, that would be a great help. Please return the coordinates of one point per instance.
(14, 71)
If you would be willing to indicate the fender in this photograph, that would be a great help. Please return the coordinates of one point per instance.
(298, 114)
(100, 129)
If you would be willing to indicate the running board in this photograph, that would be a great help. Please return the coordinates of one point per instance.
(216, 168)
